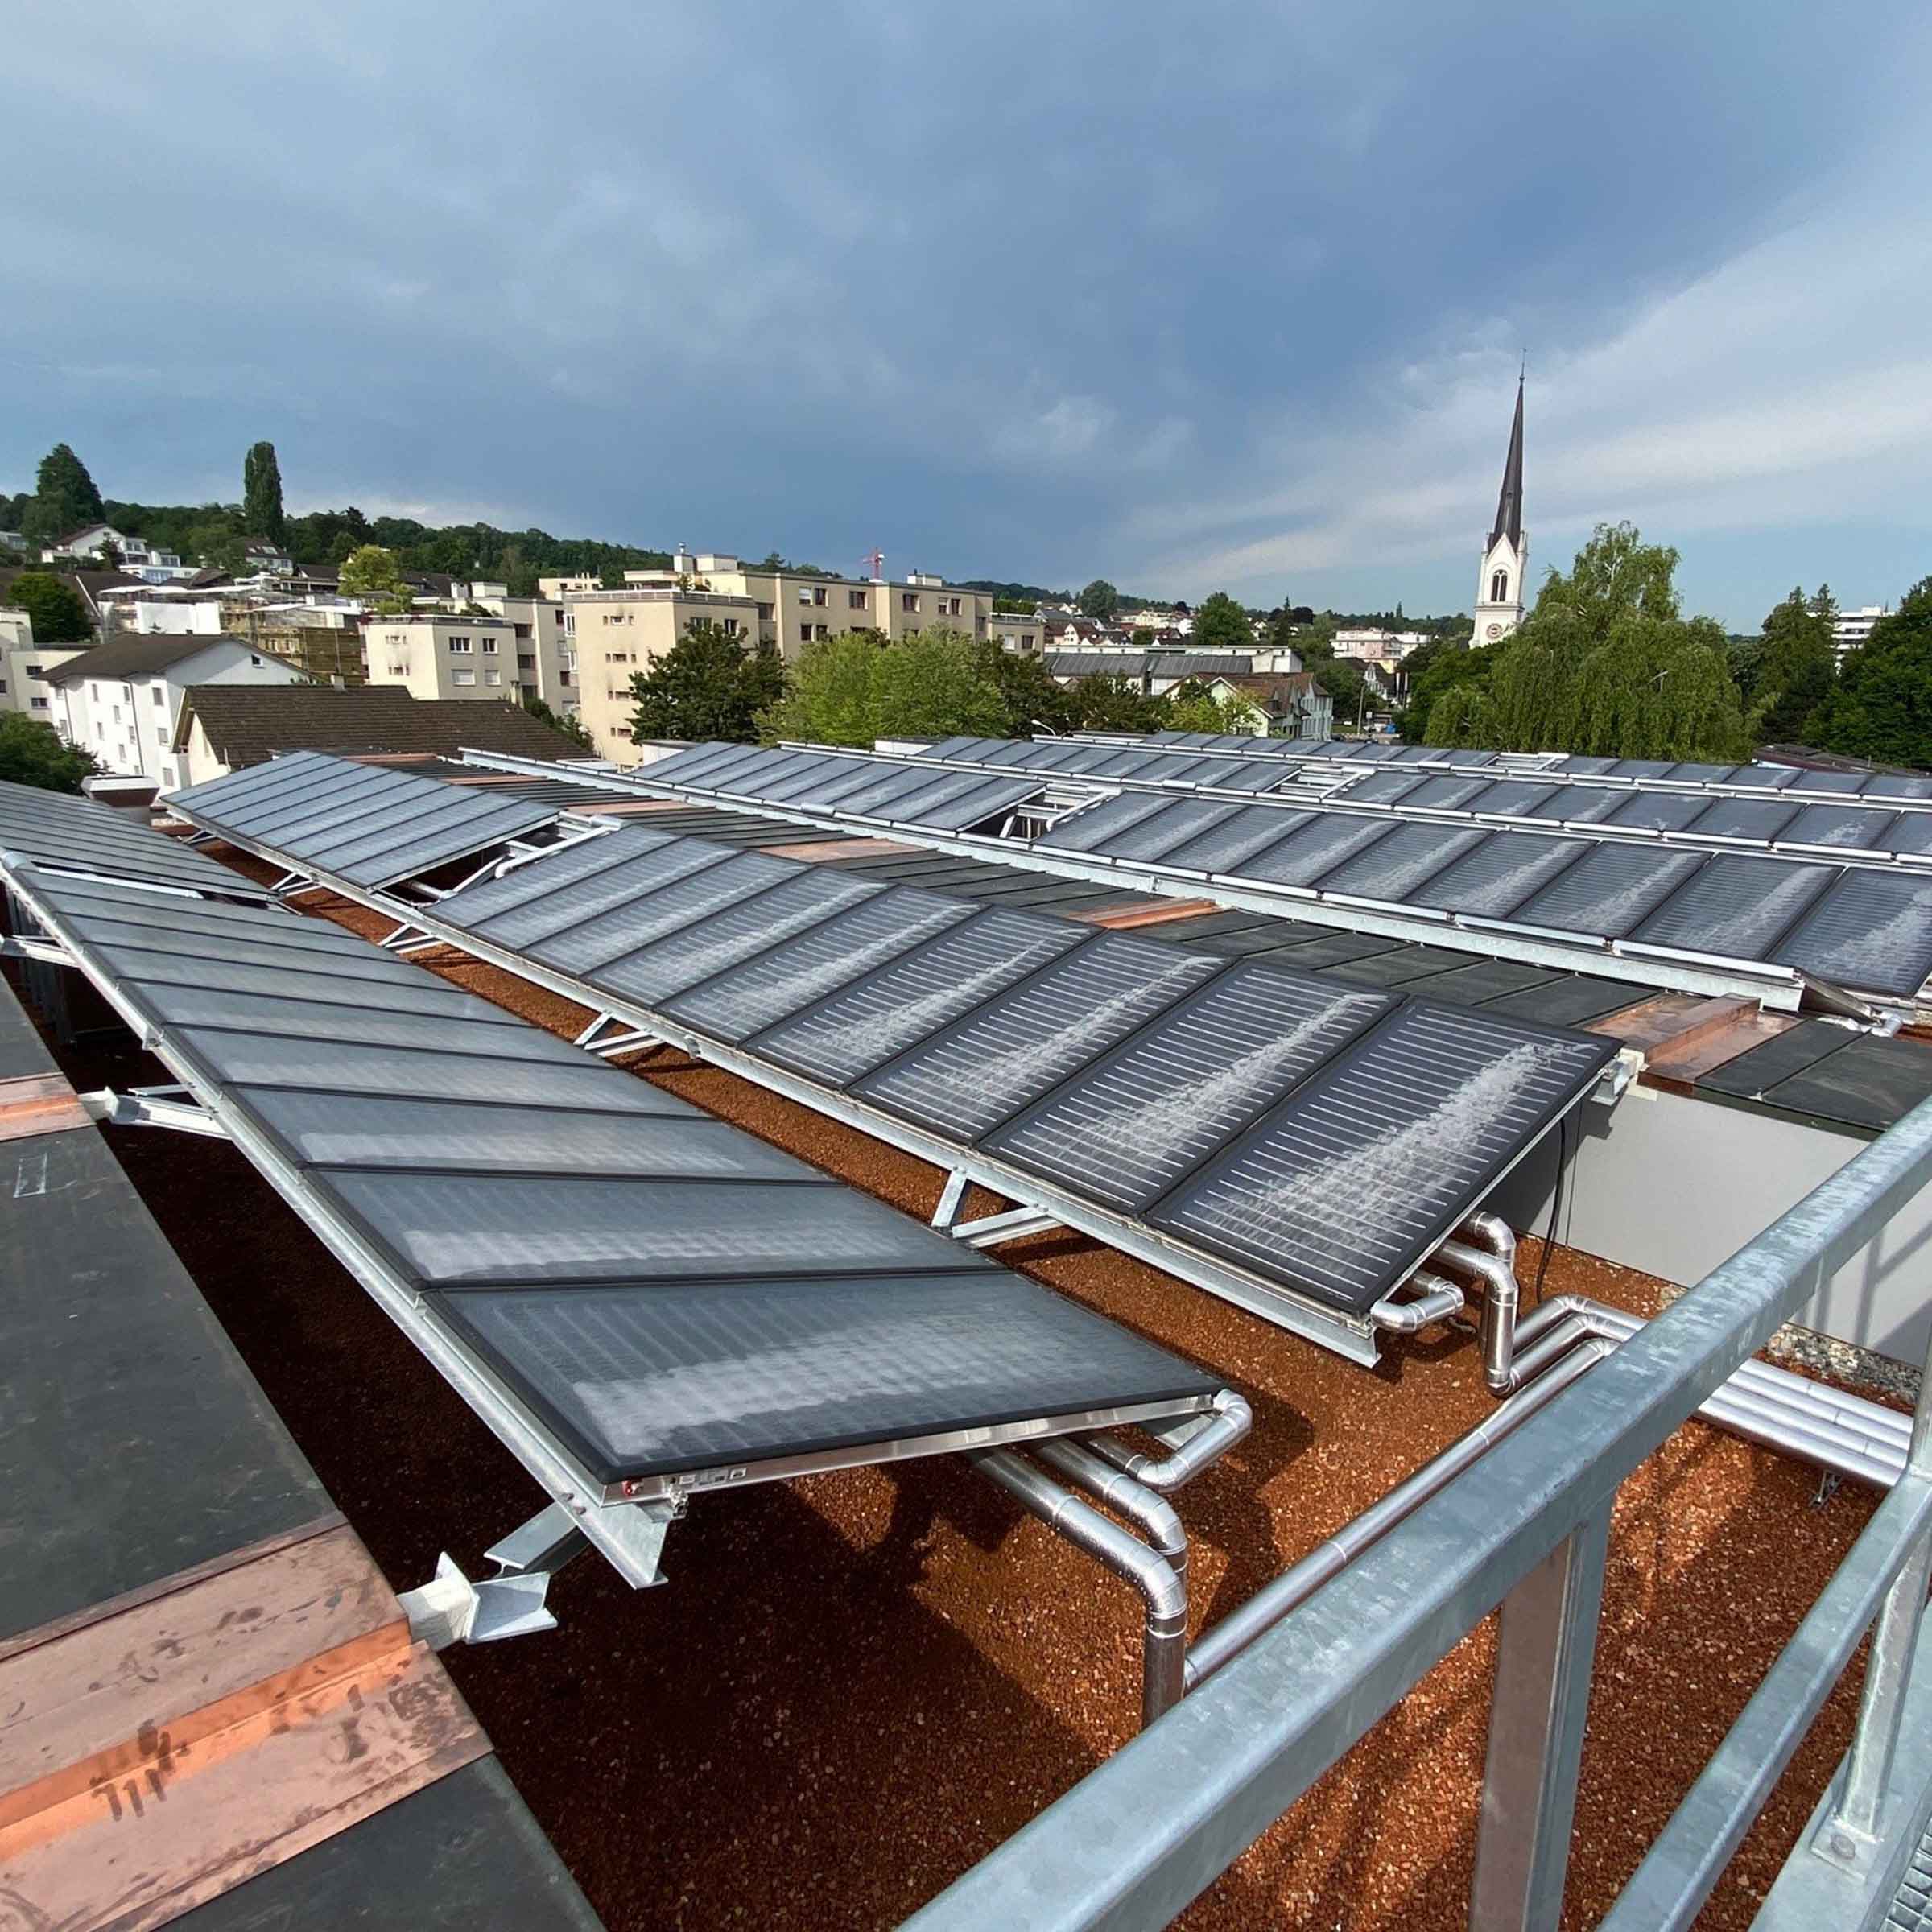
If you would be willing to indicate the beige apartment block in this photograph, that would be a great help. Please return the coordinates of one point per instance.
(23, 687)
(1024, 635)
(617, 634)
(444, 656)
(795, 609)
(545, 661)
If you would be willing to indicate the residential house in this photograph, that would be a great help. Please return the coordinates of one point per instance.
(433, 655)
(1366, 642)
(1292, 704)
(1851, 629)
(545, 657)
(120, 699)
(24, 666)
(92, 587)
(222, 727)
(1023, 634)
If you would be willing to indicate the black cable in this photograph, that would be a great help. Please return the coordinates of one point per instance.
(1556, 1196)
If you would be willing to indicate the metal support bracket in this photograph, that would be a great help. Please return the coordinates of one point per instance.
(950, 1196)
(32, 946)
(625, 1040)
(451, 1608)
(148, 1107)
(1014, 1224)
(1616, 1076)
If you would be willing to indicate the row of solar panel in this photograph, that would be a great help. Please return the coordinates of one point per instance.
(1781, 822)
(669, 1293)
(1155, 1084)
(1861, 927)
(79, 834)
(364, 824)
(892, 791)
(1571, 765)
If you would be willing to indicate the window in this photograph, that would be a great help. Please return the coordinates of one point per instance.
(36, 670)
(399, 671)
(854, 600)
(38, 703)
(764, 613)
(526, 663)
(1499, 587)
(521, 630)
(492, 675)
(117, 714)
(732, 627)
(462, 677)
(804, 593)
(949, 606)
(161, 736)
(460, 647)
(908, 601)
(819, 595)
(160, 697)
(489, 647)
(252, 659)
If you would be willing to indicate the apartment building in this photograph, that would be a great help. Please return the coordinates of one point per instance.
(121, 699)
(435, 655)
(1026, 635)
(795, 608)
(1851, 629)
(23, 669)
(617, 634)
(545, 657)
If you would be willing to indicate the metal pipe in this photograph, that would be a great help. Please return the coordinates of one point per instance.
(1207, 1443)
(1439, 1300)
(1222, 1641)
(1501, 1299)
(1152, 1515)
(1164, 1635)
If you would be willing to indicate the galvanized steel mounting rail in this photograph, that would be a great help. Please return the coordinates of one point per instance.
(1525, 1527)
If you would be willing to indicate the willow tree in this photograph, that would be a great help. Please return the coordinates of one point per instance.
(1607, 664)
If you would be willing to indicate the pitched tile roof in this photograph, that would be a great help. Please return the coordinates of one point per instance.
(132, 655)
(247, 722)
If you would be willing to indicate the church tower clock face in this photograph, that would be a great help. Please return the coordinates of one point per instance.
(1494, 630)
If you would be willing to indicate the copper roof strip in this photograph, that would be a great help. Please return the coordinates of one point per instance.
(38, 1103)
(1124, 918)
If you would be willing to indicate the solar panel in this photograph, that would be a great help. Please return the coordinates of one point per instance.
(834, 781)
(347, 1019)
(676, 1377)
(1511, 798)
(1611, 889)
(1383, 787)
(1896, 785)
(747, 998)
(560, 865)
(964, 809)
(1130, 1126)
(629, 871)
(1578, 805)
(1642, 768)
(1343, 1187)
(713, 944)
(79, 834)
(1736, 906)
(1090, 829)
(658, 909)
(1759, 819)
(1658, 811)
(1249, 774)
(398, 985)
(1230, 842)
(1912, 835)
(1849, 825)
(1003, 1056)
(1319, 847)
(1152, 838)
(1403, 863)
(1445, 795)
(846, 1034)
(1840, 783)
(1871, 930)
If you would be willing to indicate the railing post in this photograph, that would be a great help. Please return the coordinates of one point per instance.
(1545, 1649)
(1850, 1833)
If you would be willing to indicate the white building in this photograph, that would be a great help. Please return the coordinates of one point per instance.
(120, 699)
(1505, 564)
(1389, 646)
(1850, 628)
(24, 666)
(138, 558)
(432, 655)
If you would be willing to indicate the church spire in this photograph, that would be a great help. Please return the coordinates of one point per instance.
(1509, 504)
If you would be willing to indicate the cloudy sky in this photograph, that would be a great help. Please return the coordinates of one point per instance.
(1219, 295)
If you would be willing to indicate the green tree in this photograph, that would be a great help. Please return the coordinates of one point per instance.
(567, 722)
(1436, 667)
(1788, 672)
(1017, 607)
(1117, 703)
(64, 496)
(858, 686)
(1607, 664)
(1347, 684)
(107, 553)
(1100, 601)
(59, 615)
(709, 685)
(1882, 707)
(262, 494)
(1033, 700)
(1462, 718)
(1220, 624)
(372, 571)
(1192, 706)
(34, 753)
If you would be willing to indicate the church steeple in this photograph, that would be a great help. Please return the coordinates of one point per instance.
(1509, 504)
(1499, 583)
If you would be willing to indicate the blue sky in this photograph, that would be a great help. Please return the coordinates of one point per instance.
(1221, 296)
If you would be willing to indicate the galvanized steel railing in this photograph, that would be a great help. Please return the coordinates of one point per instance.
(1525, 1528)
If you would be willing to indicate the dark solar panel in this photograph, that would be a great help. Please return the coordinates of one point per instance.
(1226, 845)
(1584, 765)
(383, 979)
(1511, 798)
(764, 991)
(845, 1036)
(1445, 795)
(1303, 857)
(1896, 785)
(1911, 834)
(648, 1380)
(1151, 839)
(1578, 804)
(571, 901)
(660, 909)
(960, 811)
(1855, 826)
(1760, 820)
(1737, 906)
(1126, 1130)
(1872, 931)
(1403, 863)
(1610, 890)
(1004, 1055)
(453, 1231)
(83, 836)
(1383, 787)
(1346, 1185)
(1249, 774)
(540, 877)
(1690, 774)
(715, 943)
(1089, 830)
(1658, 811)
(356, 1022)
(1842, 784)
